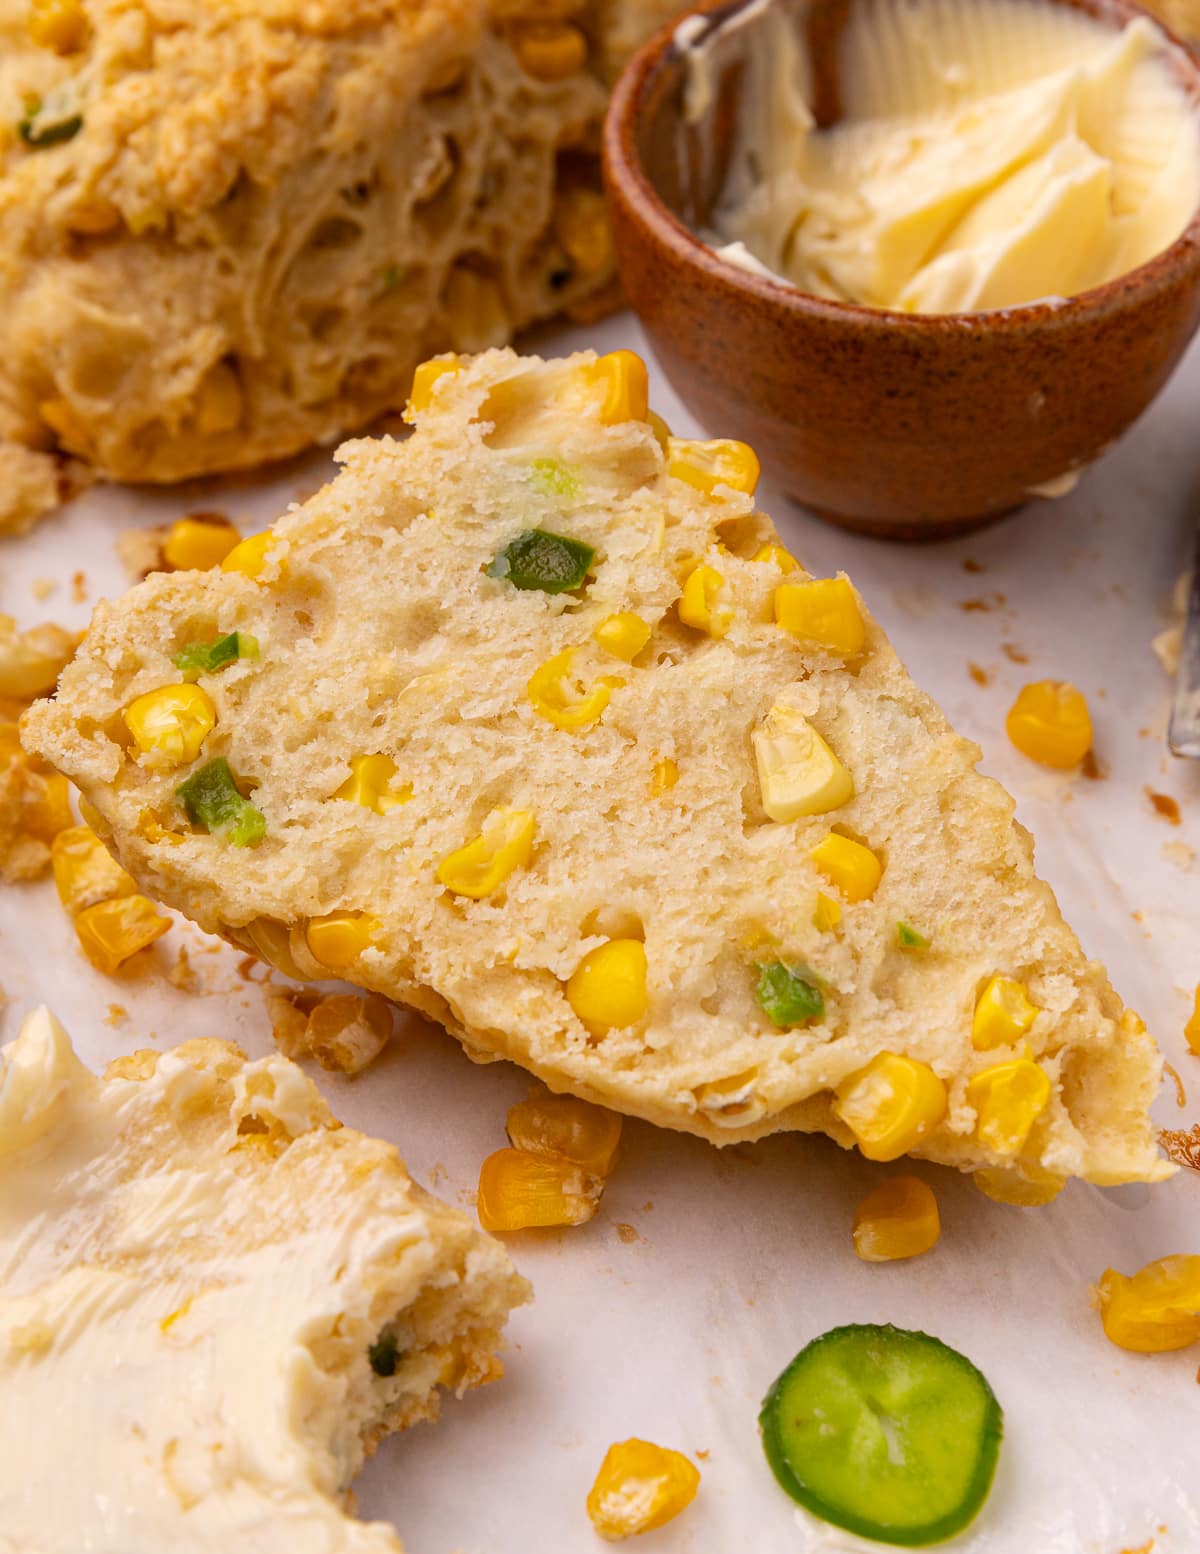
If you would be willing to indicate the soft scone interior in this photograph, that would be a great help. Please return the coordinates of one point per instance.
(204, 1278)
(382, 632)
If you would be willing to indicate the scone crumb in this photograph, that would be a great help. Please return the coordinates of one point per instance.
(140, 551)
(79, 587)
(1173, 1074)
(344, 1032)
(183, 974)
(42, 587)
(117, 1015)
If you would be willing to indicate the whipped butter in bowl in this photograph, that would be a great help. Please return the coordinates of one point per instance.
(959, 236)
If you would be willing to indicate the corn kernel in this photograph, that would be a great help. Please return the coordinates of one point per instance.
(561, 1127)
(60, 25)
(111, 931)
(1007, 1099)
(45, 802)
(1003, 1014)
(1024, 1191)
(339, 938)
(171, 723)
(707, 465)
(520, 1191)
(504, 845)
(197, 545)
(664, 776)
(639, 1487)
(551, 51)
(581, 226)
(891, 1105)
(698, 602)
(853, 868)
(827, 914)
(85, 872)
(798, 774)
(662, 432)
(621, 375)
(1156, 1310)
(607, 990)
(249, 556)
(31, 661)
(552, 699)
(345, 1032)
(1050, 723)
(370, 784)
(623, 635)
(1191, 1030)
(897, 1219)
(427, 374)
(776, 556)
(822, 610)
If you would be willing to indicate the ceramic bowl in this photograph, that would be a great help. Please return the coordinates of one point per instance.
(910, 426)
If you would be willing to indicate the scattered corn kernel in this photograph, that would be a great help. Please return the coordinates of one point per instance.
(854, 869)
(891, 1105)
(427, 374)
(607, 990)
(1050, 723)
(345, 1032)
(623, 635)
(111, 931)
(31, 661)
(60, 25)
(662, 432)
(551, 51)
(1192, 1029)
(520, 1191)
(897, 1219)
(707, 465)
(370, 784)
(777, 556)
(698, 603)
(85, 872)
(639, 1487)
(626, 388)
(1008, 1099)
(171, 723)
(1003, 1014)
(338, 939)
(1003, 1185)
(798, 774)
(664, 776)
(827, 913)
(198, 544)
(561, 1127)
(249, 556)
(567, 706)
(822, 610)
(581, 226)
(504, 845)
(1156, 1310)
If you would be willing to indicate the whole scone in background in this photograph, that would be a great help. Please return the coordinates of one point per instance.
(229, 229)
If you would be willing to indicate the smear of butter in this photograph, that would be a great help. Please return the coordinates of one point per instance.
(990, 153)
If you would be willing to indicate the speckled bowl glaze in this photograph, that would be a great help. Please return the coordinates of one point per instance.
(907, 426)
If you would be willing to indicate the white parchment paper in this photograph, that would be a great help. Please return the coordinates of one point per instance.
(671, 1313)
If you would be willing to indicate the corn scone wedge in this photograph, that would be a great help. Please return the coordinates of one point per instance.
(216, 1302)
(544, 734)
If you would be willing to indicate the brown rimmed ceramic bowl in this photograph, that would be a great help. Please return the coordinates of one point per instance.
(910, 426)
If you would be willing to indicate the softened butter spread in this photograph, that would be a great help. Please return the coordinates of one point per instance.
(989, 153)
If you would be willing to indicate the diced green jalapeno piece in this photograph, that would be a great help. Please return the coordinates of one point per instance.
(908, 938)
(538, 559)
(212, 800)
(887, 1433)
(384, 1355)
(40, 127)
(788, 997)
(197, 658)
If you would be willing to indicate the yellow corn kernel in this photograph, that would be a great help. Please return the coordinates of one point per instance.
(853, 868)
(777, 556)
(626, 388)
(198, 544)
(45, 802)
(339, 938)
(1023, 1189)
(60, 25)
(897, 1219)
(822, 610)
(31, 661)
(707, 465)
(149, 829)
(698, 602)
(520, 1191)
(607, 990)
(1191, 1030)
(623, 635)
(662, 432)
(111, 931)
(664, 776)
(581, 226)
(504, 845)
(369, 784)
(427, 374)
(798, 774)
(551, 51)
(561, 1127)
(827, 914)
(552, 699)
(639, 1487)
(249, 556)
(1050, 723)
(1003, 1014)
(171, 723)
(1007, 1099)
(85, 872)
(891, 1105)
(1156, 1310)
